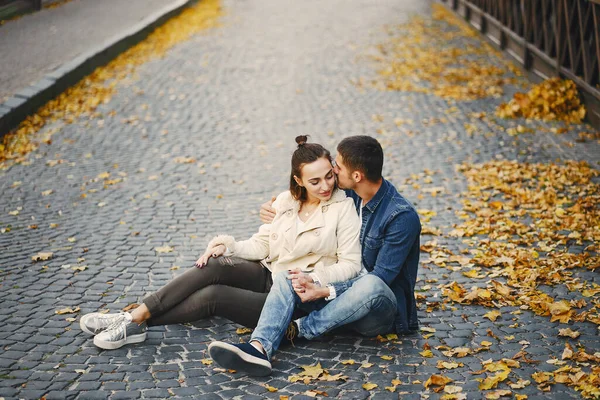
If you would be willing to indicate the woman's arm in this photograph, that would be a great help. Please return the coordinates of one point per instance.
(348, 265)
(255, 248)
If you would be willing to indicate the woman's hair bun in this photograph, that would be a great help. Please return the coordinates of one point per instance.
(301, 140)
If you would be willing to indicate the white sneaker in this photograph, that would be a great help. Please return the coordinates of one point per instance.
(94, 323)
(121, 332)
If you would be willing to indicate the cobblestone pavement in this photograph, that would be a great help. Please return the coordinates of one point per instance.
(234, 98)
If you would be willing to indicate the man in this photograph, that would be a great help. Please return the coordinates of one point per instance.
(379, 301)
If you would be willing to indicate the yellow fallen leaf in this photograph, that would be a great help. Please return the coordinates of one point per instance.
(42, 256)
(452, 389)
(448, 365)
(387, 358)
(366, 365)
(438, 380)
(348, 362)
(332, 378)
(369, 386)
(311, 371)
(520, 384)
(164, 249)
(492, 315)
(243, 331)
(67, 310)
(428, 329)
(271, 388)
(496, 394)
(426, 353)
(569, 333)
(206, 361)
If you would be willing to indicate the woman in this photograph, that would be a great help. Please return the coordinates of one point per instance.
(316, 229)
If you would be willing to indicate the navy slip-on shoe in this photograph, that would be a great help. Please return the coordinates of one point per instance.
(241, 357)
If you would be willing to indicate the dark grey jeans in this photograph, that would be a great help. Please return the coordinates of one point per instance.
(229, 287)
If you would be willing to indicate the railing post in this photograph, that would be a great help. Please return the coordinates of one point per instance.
(36, 4)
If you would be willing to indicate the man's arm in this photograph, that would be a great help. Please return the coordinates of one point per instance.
(401, 233)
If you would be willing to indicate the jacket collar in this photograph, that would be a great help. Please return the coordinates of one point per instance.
(317, 220)
(292, 204)
(381, 193)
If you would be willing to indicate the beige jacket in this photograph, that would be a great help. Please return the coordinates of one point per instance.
(328, 245)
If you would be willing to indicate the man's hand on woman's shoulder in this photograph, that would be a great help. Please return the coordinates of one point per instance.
(267, 212)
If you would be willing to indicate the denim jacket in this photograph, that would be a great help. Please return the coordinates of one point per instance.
(389, 238)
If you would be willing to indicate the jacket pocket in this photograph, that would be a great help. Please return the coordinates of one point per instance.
(373, 243)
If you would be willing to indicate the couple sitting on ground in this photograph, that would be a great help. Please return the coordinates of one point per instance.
(303, 274)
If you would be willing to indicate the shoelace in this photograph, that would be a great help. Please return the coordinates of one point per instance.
(114, 329)
(108, 320)
(291, 332)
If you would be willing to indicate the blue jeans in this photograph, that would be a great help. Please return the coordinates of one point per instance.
(369, 306)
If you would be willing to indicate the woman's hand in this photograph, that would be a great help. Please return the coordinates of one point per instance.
(299, 280)
(214, 251)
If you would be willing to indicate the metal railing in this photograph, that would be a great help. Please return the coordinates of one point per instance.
(547, 37)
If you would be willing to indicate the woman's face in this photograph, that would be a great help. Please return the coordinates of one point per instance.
(318, 179)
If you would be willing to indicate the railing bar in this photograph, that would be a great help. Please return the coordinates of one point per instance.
(584, 55)
(595, 13)
(568, 37)
(559, 28)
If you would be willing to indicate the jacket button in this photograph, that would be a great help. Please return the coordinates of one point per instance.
(274, 236)
(325, 209)
(317, 233)
(288, 213)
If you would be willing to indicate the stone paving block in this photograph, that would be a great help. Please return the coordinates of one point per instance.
(156, 393)
(126, 395)
(95, 395)
(142, 385)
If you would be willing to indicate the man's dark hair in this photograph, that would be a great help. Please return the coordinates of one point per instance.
(362, 153)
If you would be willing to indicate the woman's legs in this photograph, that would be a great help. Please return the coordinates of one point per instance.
(238, 305)
(179, 299)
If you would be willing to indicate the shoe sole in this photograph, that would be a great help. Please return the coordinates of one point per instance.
(120, 343)
(231, 357)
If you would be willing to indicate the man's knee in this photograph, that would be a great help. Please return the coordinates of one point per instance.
(372, 285)
(377, 291)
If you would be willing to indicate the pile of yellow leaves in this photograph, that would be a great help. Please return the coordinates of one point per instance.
(530, 214)
(553, 99)
(424, 56)
(98, 87)
(520, 222)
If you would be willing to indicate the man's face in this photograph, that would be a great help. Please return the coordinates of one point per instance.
(344, 175)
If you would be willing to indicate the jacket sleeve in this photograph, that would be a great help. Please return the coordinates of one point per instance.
(255, 248)
(348, 248)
